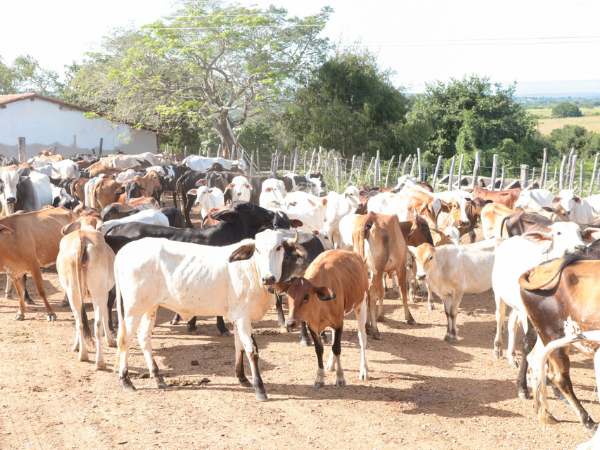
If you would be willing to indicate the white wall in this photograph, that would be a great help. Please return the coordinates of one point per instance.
(68, 131)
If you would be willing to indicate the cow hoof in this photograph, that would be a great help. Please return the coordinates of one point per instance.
(430, 307)
(175, 321)
(497, 354)
(590, 428)
(51, 317)
(411, 321)
(83, 358)
(261, 397)
(19, 316)
(127, 385)
(226, 333)
(450, 339)
(100, 366)
(191, 329)
(523, 394)
(318, 384)
(340, 383)
(160, 384)
(284, 330)
(64, 303)
(29, 301)
(281, 323)
(376, 336)
(380, 318)
(246, 383)
(112, 344)
(305, 343)
(8, 296)
(513, 363)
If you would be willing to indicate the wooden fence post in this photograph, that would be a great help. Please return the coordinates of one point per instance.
(304, 167)
(387, 176)
(561, 178)
(351, 171)
(320, 159)
(435, 174)
(554, 181)
(376, 179)
(405, 164)
(207, 152)
(296, 156)
(184, 151)
(398, 169)
(460, 167)
(22, 149)
(573, 171)
(362, 163)
(451, 173)
(100, 148)
(494, 168)
(502, 179)
(476, 168)
(532, 176)
(369, 169)
(569, 167)
(593, 175)
(544, 174)
(252, 163)
(581, 178)
(338, 171)
(524, 175)
(312, 158)
(412, 167)
(420, 178)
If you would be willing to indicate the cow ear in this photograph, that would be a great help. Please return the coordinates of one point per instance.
(556, 200)
(248, 186)
(445, 206)
(23, 178)
(5, 230)
(230, 186)
(192, 192)
(324, 293)
(268, 189)
(311, 203)
(547, 208)
(226, 216)
(201, 182)
(295, 223)
(70, 228)
(120, 191)
(324, 203)
(537, 236)
(590, 235)
(295, 250)
(279, 288)
(412, 249)
(210, 191)
(242, 253)
(577, 200)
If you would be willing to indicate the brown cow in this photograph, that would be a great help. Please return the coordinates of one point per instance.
(563, 296)
(150, 182)
(85, 267)
(99, 169)
(386, 252)
(29, 241)
(507, 197)
(336, 283)
(104, 193)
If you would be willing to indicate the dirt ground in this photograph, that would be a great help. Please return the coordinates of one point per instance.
(423, 393)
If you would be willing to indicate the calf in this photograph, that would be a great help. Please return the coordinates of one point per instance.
(379, 240)
(455, 270)
(208, 199)
(240, 189)
(85, 266)
(338, 206)
(561, 298)
(148, 274)
(580, 211)
(336, 283)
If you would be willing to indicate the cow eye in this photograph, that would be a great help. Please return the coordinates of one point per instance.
(305, 298)
(279, 248)
(559, 233)
(430, 258)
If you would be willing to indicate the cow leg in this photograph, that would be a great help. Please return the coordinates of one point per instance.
(513, 320)
(127, 329)
(330, 366)
(191, 325)
(102, 324)
(176, 319)
(450, 317)
(20, 287)
(145, 339)
(401, 273)
(561, 377)
(304, 339)
(79, 329)
(529, 341)
(335, 357)
(244, 330)
(221, 326)
(396, 284)
(430, 304)
(112, 295)
(174, 199)
(472, 236)
(280, 315)
(379, 286)
(361, 318)
(8, 290)
(239, 361)
(65, 302)
(39, 286)
(500, 313)
(372, 317)
(320, 378)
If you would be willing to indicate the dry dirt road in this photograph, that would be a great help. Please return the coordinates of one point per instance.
(423, 392)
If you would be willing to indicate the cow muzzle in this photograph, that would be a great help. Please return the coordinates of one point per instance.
(360, 205)
(11, 200)
(291, 324)
(421, 276)
(464, 223)
(268, 280)
(581, 248)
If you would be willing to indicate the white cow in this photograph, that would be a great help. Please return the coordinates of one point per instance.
(201, 163)
(311, 210)
(87, 189)
(127, 175)
(149, 216)
(165, 170)
(133, 160)
(201, 280)
(316, 188)
(240, 189)
(207, 198)
(581, 211)
(65, 169)
(272, 193)
(85, 266)
(534, 199)
(454, 270)
(518, 254)
(346, 229)
(338, 206)
(33, 199)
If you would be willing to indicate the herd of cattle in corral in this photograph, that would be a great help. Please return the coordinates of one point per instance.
(266, 238)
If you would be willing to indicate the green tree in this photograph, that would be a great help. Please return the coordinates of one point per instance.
(208, 65)
(566, 109)
(470, 115)
(349, 104)
(26, 75)
(586, 143)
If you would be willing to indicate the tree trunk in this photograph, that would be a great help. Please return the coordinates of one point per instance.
(226, 135)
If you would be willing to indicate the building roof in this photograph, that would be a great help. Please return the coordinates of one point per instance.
(5, 99)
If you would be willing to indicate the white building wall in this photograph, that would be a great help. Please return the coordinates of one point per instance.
(68, 131)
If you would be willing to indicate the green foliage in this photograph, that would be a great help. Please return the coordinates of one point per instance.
(208, 65)
(471, 115)
(25, 75)
(566, 109)
(586, 143)
(349, 104)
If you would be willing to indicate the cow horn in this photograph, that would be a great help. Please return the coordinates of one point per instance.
(297, 238)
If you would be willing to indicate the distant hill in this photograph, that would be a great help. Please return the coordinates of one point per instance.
(565, 88)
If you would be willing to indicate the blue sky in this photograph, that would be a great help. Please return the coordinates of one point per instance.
(421, 41)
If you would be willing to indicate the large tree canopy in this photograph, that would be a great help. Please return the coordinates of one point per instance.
(26, 75)
(210, 64)
(472, 114)
(349, 104)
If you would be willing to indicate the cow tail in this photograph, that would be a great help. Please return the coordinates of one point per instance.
(78, 265)
(540, 396)
(360, 236)
(180, 194)
(122, 328)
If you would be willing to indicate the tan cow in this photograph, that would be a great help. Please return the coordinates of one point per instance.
(85, 267)
(336, 283)
(29, 241)
(378, 239)
(491, 220)
(99, 169)
(104, 193)
(150, 182)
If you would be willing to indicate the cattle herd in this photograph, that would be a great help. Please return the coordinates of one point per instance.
(263, 239)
